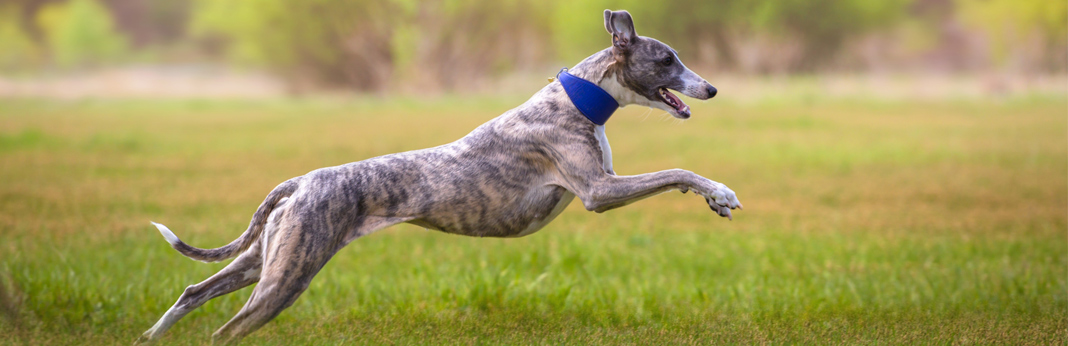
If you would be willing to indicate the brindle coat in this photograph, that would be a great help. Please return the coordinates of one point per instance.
(507, 178)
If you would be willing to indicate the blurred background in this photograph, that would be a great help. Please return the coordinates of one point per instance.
(234, 48)
(903, 164)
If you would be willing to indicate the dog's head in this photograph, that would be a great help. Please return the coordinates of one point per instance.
(645, 69)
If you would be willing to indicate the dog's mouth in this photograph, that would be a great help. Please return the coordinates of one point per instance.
(682, 111)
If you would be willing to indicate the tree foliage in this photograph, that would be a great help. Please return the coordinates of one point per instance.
(445, 43)
(16, 48)
(1011, 21)
(365, 44)
(80, 33)
(374, 45)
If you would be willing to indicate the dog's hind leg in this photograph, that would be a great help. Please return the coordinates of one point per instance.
(293, 259)
(294, 256)
(243, 271)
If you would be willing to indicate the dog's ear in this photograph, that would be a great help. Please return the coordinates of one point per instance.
(621, 26)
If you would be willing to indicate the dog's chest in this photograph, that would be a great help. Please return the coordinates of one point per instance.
(542, 220)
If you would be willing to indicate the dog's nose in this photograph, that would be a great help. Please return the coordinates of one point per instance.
(711, 91)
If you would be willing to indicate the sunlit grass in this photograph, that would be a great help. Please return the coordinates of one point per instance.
(865, 222)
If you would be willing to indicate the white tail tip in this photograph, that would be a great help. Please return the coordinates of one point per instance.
(167, 234)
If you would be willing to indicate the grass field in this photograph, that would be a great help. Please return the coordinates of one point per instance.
(866, 222)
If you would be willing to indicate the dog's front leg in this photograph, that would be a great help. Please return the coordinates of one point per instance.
(608, 192)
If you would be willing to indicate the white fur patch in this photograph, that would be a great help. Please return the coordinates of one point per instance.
(606, 151)
(251, 273)
(272, 223)
(624, 96)
(167, 234)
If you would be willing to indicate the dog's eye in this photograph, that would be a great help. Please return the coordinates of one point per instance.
(667, 61)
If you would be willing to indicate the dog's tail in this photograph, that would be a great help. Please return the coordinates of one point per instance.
(242, 243)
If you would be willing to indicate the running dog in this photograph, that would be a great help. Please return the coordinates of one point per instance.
(508, 178)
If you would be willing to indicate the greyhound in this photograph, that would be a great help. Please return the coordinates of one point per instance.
(508, 178)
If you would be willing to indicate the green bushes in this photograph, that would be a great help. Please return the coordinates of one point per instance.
(16, 49)
(410, 45)
(367, 45)
(80, 33)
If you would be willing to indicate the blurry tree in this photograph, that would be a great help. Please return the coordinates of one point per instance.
(695, 26)
(464, 41)
(820, 28)
(27, 19)
(142, 23)
(936, 30)
(577, 28)
(374, 45)
(17, 49)
(150, 22)
(371, 45)
(363, 44)
(315, 42)
(1008, 23)
(80, 33)
(823, 26)
(366, 45)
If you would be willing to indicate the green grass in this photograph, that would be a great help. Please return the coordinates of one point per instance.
(865, 223)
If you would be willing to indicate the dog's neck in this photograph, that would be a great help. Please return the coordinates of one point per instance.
(595, 103)
(552, 104)
(594, 67)
(597, 68)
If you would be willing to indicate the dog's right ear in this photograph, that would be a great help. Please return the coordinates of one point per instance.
(621, 26)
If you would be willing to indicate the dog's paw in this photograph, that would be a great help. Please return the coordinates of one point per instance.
(722, 200)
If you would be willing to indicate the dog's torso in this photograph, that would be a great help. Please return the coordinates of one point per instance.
(504, 179)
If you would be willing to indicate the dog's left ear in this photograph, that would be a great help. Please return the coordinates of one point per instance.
(621, 26)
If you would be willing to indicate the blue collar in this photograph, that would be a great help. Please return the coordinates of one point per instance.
(595, 103)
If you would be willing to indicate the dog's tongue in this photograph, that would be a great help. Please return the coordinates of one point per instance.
(679, 105)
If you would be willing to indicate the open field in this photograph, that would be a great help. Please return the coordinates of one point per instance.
(866, 222)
